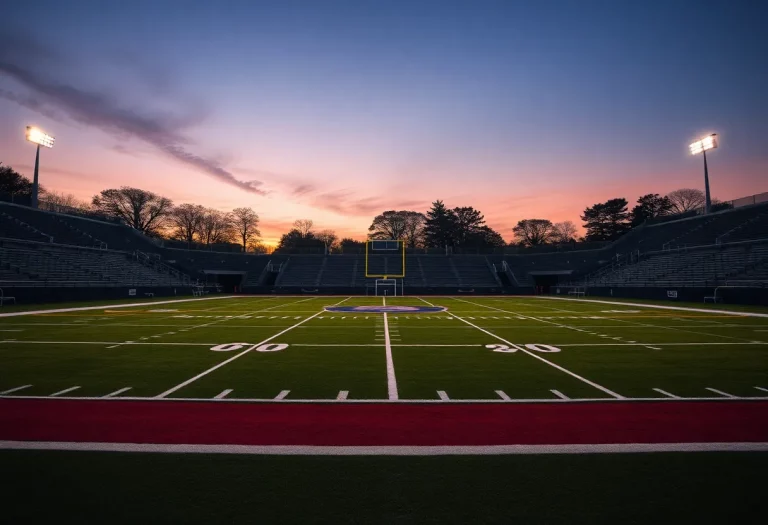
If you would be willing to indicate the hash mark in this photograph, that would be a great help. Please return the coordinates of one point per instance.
(342, 395)
(282, 395)
(443, 395)
(503, 396)
(726, 394)
(223, 394)
(660, 391)
(118, 392)
(559, 394)
(757, 387)
(64, 391)
(26, 386)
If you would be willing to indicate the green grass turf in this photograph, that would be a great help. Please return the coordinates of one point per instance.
(626, 349)
(117, 488)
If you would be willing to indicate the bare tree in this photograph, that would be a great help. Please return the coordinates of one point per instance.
(245, 222)
(216, 227)
(258, 247)
(328, 237)
(534, 232)
(303, 226)
(186, 220)
(563, 232)
(140, 209)
(54, 200)
(686, 199)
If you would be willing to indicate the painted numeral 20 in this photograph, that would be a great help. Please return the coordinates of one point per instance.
(231, 347)
(546, 349)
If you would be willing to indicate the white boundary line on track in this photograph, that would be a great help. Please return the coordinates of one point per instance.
(550, 363)
(387, 450)
(662, 307)
(391, 379)
(108, 306)
(248, 350)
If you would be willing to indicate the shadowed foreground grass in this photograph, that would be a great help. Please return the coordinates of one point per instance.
(103, 487)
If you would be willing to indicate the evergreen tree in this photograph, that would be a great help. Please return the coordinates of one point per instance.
(606, 221)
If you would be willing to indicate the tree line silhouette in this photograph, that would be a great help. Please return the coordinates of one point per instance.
(459, 230)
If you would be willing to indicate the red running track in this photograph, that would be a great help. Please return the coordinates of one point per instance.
(169, 422)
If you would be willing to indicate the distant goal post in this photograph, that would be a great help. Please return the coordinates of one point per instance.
(385, 258)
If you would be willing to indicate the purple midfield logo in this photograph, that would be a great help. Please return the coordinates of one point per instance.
(386, 309)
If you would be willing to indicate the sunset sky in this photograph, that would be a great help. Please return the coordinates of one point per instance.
(338, 110)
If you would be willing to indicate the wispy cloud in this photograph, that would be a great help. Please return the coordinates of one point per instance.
(163, 131)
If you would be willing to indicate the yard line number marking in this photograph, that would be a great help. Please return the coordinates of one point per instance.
(238, 355)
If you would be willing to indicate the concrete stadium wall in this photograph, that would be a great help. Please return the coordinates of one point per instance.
(751, 296)
(32, 295)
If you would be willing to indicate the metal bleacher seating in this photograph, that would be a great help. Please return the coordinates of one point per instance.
(25, 263)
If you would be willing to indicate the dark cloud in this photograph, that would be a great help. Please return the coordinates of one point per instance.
(163, 131)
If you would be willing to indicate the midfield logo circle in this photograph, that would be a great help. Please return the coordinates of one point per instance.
(386, 309)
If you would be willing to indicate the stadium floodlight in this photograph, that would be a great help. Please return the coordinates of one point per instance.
(41, 138)
(701, 146)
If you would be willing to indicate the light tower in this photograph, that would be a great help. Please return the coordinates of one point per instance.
(39, 137)
(701, 146)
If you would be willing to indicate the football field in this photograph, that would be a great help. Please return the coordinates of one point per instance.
(372, 349)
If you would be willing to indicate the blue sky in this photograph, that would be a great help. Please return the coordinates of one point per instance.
(339, 110)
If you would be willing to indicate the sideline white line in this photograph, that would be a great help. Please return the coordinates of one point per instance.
(343, 394)
(26, 386)
(662, 307)
(407, 450)
(528, 352)
(503, 395)
(118, 392)
(223, 394)
(443, 396)
(281, 395)
(108, 306)
(559, 345)
(559, 394)
(66, 390)
(248, 350)
(726, 394)
(391, 379)
(399, 401)
(660, 391)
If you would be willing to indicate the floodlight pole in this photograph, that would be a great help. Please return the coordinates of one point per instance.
(35, 185)
(708, 201)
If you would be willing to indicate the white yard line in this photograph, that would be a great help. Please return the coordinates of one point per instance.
(528, 352)
(660, 391)
(443, 396)
(118, 392)
(237, 356)
(108, 306)
(343, 395)
(391, 380)
(223, 394)
(388, 450)
(12, 390)
(282, 395)
(683, 308)
(726, 394)
(65, 391)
